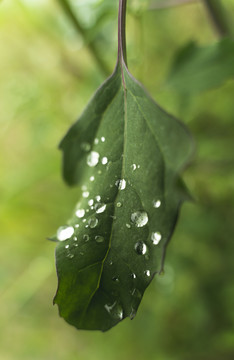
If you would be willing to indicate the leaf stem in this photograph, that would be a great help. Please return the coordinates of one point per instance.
(122, 52)
(82, 31)
(218, 16)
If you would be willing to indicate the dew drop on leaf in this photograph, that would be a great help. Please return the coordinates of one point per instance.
(156, 203)
(96, 141)
(104, 160)
(93, 159)
(115, 310)
(139, 218)
(140, 248)
(99, 239)
(119, 204)
(121, 184)
(80, 213)
(147, 272)
(70, 256)
(98, 198)
(156, 237)
(93, 221)
(92, 178)
(100, 208)
(65, 232)
(133, 167)
(103, 139)
(86, 237)
(85, 194)
(90, 202)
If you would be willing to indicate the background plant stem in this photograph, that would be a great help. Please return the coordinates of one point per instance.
(80, 29)
(122, 53)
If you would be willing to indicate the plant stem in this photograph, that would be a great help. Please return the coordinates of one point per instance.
(122, 52)
(218, 16)
(82, 31)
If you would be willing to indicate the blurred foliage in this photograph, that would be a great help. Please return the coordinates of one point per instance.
(47, 76)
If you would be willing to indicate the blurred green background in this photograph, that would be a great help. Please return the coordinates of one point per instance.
(48, 73)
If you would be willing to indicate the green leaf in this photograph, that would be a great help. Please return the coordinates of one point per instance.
(126, 154)
(196, 69)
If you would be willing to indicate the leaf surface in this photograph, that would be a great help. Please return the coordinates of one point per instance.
(125, 152)
(196, 69)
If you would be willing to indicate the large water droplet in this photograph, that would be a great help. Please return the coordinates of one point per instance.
(103, 139)
(140, 248)
(139, 218)
(104, 160)
(156, 203)
(93, 159)
(115, 310)
(80, 213)
(133, 276)
(99, 239)
(92, 178)
(85, 146)
(156, 237)
(100, 208)
(147, 272)
(121, 184)
(65, 232)
(93, 222)
(133, 167)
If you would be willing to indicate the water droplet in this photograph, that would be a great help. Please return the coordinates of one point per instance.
(133, 167)
(156, 203)
(136, 293)
(132, 313)
(75, 238)
(85, 146)
(84, 220)
(156, 237)
(80, 213)
(100, 208)
(77, 225)
(99, 172)
(133, 276)
(103, 139)
(67, 246)
(98, 197)
(90, 202)
(121, 184)
(86, 237)
(104, 160)
(99, 239)
(115, 279)
(115, 310)
(75, 245)
(93, 222)
(111, 262)
(92, 178)
(85, 194)
(147, 272)
(65, 232)
(138, 166)
(119, 204)
(139, 218)
(93, 159)
(96, 141)
(128, 226)
(140, 248)
(70, 256)
(83, 187)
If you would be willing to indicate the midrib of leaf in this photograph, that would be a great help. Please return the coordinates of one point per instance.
(120, 62)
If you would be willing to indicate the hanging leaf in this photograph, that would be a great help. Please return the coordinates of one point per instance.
(196, 69)
(126, 153)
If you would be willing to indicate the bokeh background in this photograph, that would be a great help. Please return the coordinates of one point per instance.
(48, 72)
